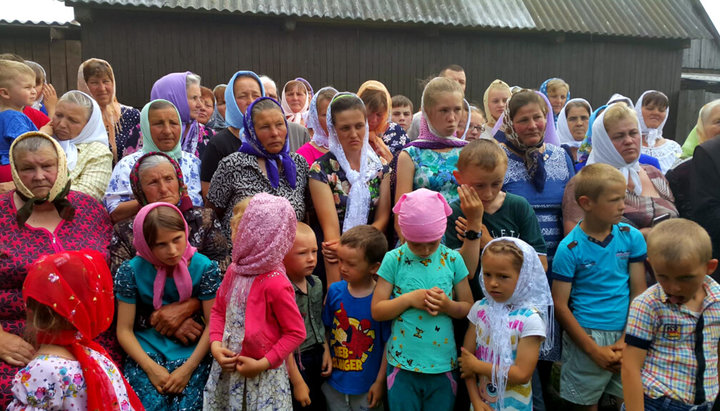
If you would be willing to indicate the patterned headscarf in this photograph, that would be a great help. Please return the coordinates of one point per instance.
(563, 130)
(252, 145)
(173, 87)
(290, 115)
(185, 201)
(179, 273)
(544, 91)
(651, 135)
(533, 157)
(320, 137)
(149, 145)
(358, 201)
(233, 116)
(78, 287)
(532, 291)
(58, 192)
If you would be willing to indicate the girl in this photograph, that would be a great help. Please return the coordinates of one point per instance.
(295, 101)
(386, 137)
(69, 303)
(652, 110)
(165, 373)
(494, 100)
(558, 92)
(255, 300)
(507, 327)
(316, 121)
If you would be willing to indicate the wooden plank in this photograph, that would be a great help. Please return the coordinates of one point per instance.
(58, 66)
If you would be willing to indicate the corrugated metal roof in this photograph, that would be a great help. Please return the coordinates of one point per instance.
(671, 19)
(36, 12)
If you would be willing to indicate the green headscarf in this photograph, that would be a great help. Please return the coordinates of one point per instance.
(148, 143)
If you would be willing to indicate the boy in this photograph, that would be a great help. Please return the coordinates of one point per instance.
(17, 90)
(307, 367)
(597, 270)
(673, 328)
(358, 378)
(402, 111)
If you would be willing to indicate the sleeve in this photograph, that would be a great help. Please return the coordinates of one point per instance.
(317, 173)
(638, 251)
(533, 326)
(210, 159)
(216, 326)
(705, 196)
(571, 211)
(460, 270)
(389, 266)
(209, 282)
(451, 240)
(191, 175)
(120, 248)
(292, 325)
(570, 165)
(328, 311)
(17, 126)
(219, 192)
(563, 266)
(38, 387)
(529, 226)
(125, 285)
(641, 322)
(649, 160)
(93, 179)
(473, 313)
(118, 189)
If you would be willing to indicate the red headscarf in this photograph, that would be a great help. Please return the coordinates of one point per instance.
(78, 286)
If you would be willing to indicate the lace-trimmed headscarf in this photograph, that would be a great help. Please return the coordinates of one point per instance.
(358, 201)
(532, 291)
(651, 135)
(320, 137)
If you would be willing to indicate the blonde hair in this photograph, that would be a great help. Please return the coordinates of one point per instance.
(679, 241)
(556, 84)
(10, 70)
(237, 214)
(439, 85)
(593, 179)
(617, 112)
(508, 248)
(482, 153)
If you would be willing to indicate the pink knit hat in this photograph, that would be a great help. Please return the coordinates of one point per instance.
(422, 215)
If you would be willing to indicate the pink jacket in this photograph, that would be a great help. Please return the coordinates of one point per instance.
(273, 325)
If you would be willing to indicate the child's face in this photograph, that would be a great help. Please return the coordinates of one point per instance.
(424, 250)
(499, 276)
(21, 92)
(477, 126)
(301, 260)
(486, 183)
(354, 267)
(403, 116)
(681, 281)
(446, 113)
(608, 208)
(497, 100)
(557, 99)
(322, 112)
(38, 89)
(169, 246)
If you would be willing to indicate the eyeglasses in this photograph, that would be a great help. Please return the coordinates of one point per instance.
(479, 129)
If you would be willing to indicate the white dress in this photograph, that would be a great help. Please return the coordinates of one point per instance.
(666, 154)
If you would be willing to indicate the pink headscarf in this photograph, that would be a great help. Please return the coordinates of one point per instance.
(422, 215)
(179, 273)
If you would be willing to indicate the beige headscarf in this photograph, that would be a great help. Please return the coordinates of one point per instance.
(497, 84)
(111, 113)
(378, 86)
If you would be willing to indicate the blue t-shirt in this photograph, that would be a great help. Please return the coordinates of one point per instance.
(357, 342)
(421, 342)
(12, 124)
(599, 273)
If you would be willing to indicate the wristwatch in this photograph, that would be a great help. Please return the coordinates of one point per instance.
(472, 235)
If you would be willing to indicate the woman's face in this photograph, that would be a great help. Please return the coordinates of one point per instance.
(101, 88)
(497, 100)
(625, 136)
(350, 128)
(160, 183)
(206, 110)
(557, 99)
(445, 114)
(165, 128)
(477, 126)
(712, 126)
(322, 105)
(69, 120)
(374, 119)
(220, 104)
(529, 124)
(194, 100)
(295, 97)
(246, 91)
(271, 130)
(578, 120)
(653, 116)
(37, 169)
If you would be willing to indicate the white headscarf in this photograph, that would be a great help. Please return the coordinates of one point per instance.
(93, 132)
(617, 98)
(651, 135)
(312, 120)
(603, 151)
(532, 291)
(358, 201)
(563, 130)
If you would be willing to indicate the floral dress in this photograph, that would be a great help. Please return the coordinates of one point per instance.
(434, 170)
(127, 132)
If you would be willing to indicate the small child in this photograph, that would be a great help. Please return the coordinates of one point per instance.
(17, 82)
(311, 362)
(70, 302)
(358, 341)
(507, 327)
(165, 373)
(422, 285)
(670, 360)
(402, 111)
(598, 251)
(255, 322)
(43, 107)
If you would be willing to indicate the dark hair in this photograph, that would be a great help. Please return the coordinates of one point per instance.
(161, 217)
(523, 98)
(657, 99)
(94, 67)
(338, 105)
(577, 104)
(366, 238)
(375, 100)
(451, 67)
(40, 317)
(401, 101)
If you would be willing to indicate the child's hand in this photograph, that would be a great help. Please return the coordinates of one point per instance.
(329, 251)
(158, 377)
(436, 301)
(50, 97)
(178, 380)
(480, 405)
(226, 358)
(375, 394)
(460, 228)
(471, 205)
(416, 299)
(326, 363)
(605, 357)
(301, 393)
(467, 363)
(250, 367)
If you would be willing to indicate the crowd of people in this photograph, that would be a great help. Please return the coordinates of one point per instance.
(239, 248)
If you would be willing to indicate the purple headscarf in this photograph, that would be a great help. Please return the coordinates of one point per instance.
(252, 145)
(173, 87)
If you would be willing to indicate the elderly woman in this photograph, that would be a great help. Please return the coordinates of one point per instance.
(78, 127)
(161, 127)
(122, 123)
(264, 164)
(41, 216)
(183, 90)
(616, 140)
(386, 138)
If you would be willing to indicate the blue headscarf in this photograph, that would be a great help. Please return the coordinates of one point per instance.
(252, 145)
(233, 116)
(543, 89)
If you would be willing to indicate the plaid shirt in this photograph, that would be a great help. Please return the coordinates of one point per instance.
(667, 332)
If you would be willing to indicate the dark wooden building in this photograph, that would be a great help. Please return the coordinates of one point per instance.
(598, 46)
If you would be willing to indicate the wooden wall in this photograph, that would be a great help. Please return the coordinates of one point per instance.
(143, 46)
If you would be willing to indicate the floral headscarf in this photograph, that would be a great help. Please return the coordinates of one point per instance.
(185, 201)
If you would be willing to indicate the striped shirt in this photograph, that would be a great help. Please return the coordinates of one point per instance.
(667, 332)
